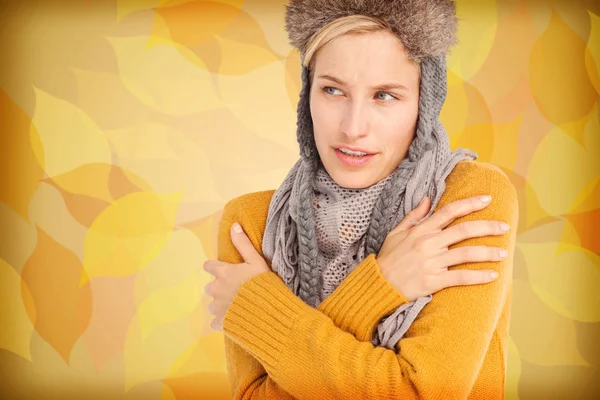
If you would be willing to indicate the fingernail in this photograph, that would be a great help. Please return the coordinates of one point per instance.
(503, 253)
(504, 226)
(485, 199)
(237, 228)
(422, 201)
(493, 274)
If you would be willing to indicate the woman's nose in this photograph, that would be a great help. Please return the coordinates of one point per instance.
(355, 122)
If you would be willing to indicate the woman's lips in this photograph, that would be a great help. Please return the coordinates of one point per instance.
(353, 161)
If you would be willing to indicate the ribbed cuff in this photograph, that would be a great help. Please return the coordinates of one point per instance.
(365, 297)
(262, 315)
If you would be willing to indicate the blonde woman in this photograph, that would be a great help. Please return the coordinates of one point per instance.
(381, 268)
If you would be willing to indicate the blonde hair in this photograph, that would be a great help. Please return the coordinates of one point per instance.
(351, 24)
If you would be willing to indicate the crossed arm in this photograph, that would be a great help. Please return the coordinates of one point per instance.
(279, 347)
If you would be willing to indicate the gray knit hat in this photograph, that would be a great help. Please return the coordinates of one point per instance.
(427, 29)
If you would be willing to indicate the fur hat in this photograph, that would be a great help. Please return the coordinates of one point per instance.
(425, 27)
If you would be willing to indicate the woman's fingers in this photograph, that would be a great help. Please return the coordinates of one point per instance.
(414, 215)
(448, 213)
(243, 245)
(466, 254)
(470, 229)
(461, 277)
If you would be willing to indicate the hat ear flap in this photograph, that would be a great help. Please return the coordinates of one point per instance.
(304, 126)
(433, 87)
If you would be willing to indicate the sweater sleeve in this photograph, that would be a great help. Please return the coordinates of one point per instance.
(309, 357)
(356, 306)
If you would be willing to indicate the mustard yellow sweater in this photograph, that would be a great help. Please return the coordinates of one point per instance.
(278, 347)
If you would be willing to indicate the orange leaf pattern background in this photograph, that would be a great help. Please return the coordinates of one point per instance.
(126, 125)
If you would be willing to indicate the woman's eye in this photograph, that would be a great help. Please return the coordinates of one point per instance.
(381, 96)
(330, 90)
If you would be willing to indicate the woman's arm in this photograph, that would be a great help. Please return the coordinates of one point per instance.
(356, 306)
(308, 356)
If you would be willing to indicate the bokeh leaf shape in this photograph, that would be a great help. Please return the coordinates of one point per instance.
(21, 169)
(259, 100)
(225, 38)
(168, 304)
(152, 358)
(89, 180)
(113, 310)
(206, 230)
(592, 53)
(15, 299)
(61, 309)
(585, 215)
(531, 212)
(129, 233)
(270, 16)
(168, 160)
(96, 186)
(194, 23)
(478, 136)
(18, 237)
(201, 370)
(506, 144)
(209, 385)
(48, 376)
(588, 199)
(175, 265)
(577, 129)
(60, 223)
(494, 143)
(565, 278)
(169, 288)
(464, 106)
(586, 225)
(235, 155)
(513, 371)
(127, 7)
(122, 182)
(89, 189)
(559, 81)
(508, 95)
(69, 137)
(571, 166)
(204, 355)
(161, 78)
(103, 96)
(477, 31)
(293, 77)
(536, 329)
(559, 230)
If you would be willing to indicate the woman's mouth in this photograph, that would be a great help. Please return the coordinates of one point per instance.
(353, 158)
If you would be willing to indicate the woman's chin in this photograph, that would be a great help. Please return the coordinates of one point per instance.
(353, 179)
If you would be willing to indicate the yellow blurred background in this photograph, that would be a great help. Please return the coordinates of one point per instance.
(125, 127)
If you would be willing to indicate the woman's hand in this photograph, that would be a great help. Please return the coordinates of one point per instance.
(230, 277)
(416, 259)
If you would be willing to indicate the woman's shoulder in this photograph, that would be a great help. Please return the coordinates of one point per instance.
(472, 169)
(473, 174)
(472, 178)
(255, 201)
(250, 210)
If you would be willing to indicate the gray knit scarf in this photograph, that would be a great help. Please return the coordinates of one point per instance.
(291, 242)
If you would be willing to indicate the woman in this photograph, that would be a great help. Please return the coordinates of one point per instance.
(319, 283)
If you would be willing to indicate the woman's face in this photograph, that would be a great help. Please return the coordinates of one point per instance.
(364, 96)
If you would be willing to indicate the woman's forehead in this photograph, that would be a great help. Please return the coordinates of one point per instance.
(367, 58)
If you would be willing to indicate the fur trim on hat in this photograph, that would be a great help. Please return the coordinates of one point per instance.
(425, 27)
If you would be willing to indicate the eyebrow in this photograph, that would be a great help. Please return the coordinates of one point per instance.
(381, 87)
